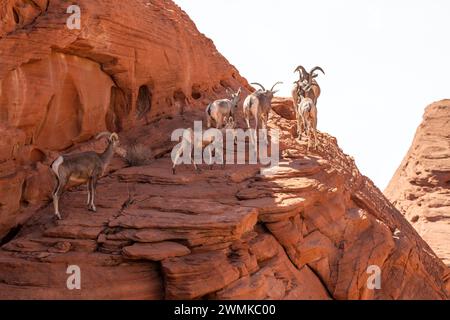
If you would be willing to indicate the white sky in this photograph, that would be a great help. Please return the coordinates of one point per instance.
(385, 61)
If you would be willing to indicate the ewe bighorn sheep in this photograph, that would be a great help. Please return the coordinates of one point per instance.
(258, 104)
(188, 142)
(220, 109)
(86, 167)
(306, 112)
(301, 84)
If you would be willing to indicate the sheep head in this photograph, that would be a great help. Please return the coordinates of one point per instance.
(270, 93)
(112, 137)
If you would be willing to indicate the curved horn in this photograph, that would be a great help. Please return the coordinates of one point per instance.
(114, 136)
(302, 71)
(316, 68)
(279, 82)
(258, 84)
(103, 134)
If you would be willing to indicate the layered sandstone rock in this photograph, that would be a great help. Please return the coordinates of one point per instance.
(59, 87)
(421, 186)
(308, 228)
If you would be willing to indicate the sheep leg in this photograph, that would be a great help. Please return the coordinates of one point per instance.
(299, 126)
(255, 138)
(248, 122)
(91, 198)
(247, 118)
(264, 127)
(210, 159)
(56, 206)
(309, 137)
(89, 192)
(219, 122)
(300, 123)
(256, 123)
(314, 127)
(93, 187)
(195, 166)
(303, 125)
(59, 189)
(177, 156)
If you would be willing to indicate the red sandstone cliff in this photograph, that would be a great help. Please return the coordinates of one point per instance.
(421, 186)
(308, 228)
(59, 87)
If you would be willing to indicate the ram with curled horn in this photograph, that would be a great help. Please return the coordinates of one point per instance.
(301, 82)
(312, 89)
(85, 167)
(258, 104)
(303, 74)
(306, 86)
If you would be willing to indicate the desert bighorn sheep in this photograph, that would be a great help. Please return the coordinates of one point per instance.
(220, 109)
(301, 84)
(258, 104)
(188, 142)
(306, 112)
(86, 167)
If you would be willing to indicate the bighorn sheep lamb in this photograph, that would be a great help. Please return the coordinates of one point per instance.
(259, 104)
(219, 109)
(188, 142)
(301, 84)
(306, 112)
(86, 167)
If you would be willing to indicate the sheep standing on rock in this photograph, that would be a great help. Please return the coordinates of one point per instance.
(306, 113)
(86, 167)
(258, 104)
(188, 143)
(300, 85)
(218, 110)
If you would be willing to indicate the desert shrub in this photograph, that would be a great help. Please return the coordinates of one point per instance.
(138, 154)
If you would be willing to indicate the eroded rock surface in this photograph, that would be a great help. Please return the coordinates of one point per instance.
(130, 63)
(308, 228)
(421, 186)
